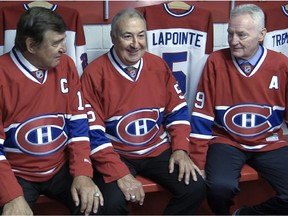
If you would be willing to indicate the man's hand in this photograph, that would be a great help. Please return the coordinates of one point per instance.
(86, 192)
(17, 206)
(186, 166)
(203, 174)
(131, 188)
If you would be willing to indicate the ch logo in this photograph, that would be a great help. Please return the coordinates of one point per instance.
(247, 120)
(139, 127)
(42, 135)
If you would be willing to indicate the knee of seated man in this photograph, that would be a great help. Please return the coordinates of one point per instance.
(194, 187)
(222, 186)
(114, 205)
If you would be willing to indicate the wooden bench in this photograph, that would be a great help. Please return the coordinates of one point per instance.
(254, 189)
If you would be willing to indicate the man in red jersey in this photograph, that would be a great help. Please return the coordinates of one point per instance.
(43, 126)
(240, 105)
(139, 123)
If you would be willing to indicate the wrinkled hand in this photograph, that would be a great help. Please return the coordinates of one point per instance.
(17, 206)
(86, 192)
(186, 166)
(131, 188)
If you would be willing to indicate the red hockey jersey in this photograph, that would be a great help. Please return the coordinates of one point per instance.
(244, 111)
(183, 39)
(135, 119)
(277, 29)
(42, 125)
(75, 38)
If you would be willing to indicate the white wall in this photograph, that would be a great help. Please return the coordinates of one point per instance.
(98, 39)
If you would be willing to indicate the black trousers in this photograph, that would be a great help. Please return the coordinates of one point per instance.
(185, 198)
(59, 188)
(223, 167)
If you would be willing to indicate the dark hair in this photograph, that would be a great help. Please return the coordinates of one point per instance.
(34, 23)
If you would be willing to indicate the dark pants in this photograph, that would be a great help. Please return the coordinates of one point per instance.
(56, 188)
(185, 198)
(223, 167)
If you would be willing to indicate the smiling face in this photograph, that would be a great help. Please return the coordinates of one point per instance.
(244, 36)
(47, 54)
(129, 39)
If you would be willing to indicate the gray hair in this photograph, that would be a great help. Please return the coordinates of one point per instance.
(253, 10)
(129, 12)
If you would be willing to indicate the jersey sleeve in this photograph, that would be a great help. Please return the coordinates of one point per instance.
(1, 32)
(81, 58)
(202, 118)
(78, 144)
(9, 186)
(75, 41)
(286, 113)
(176, 115)
(210, 35)
(104, 158)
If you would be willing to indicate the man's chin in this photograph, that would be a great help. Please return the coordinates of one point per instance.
(56, 63)
(134, 60)
(236, 53)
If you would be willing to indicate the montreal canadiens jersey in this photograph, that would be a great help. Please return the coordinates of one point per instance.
(75, 38)
(246, 112)
(42, 125)
(183, 39)
(277, 29)
(135, 119)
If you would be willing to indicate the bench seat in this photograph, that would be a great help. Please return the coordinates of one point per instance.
(157, 197)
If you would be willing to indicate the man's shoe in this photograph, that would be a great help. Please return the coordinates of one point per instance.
(237, 212)
(244, 211)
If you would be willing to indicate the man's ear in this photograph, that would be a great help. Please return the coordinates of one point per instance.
(262, 34)
(30, 45)
(112, 37)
